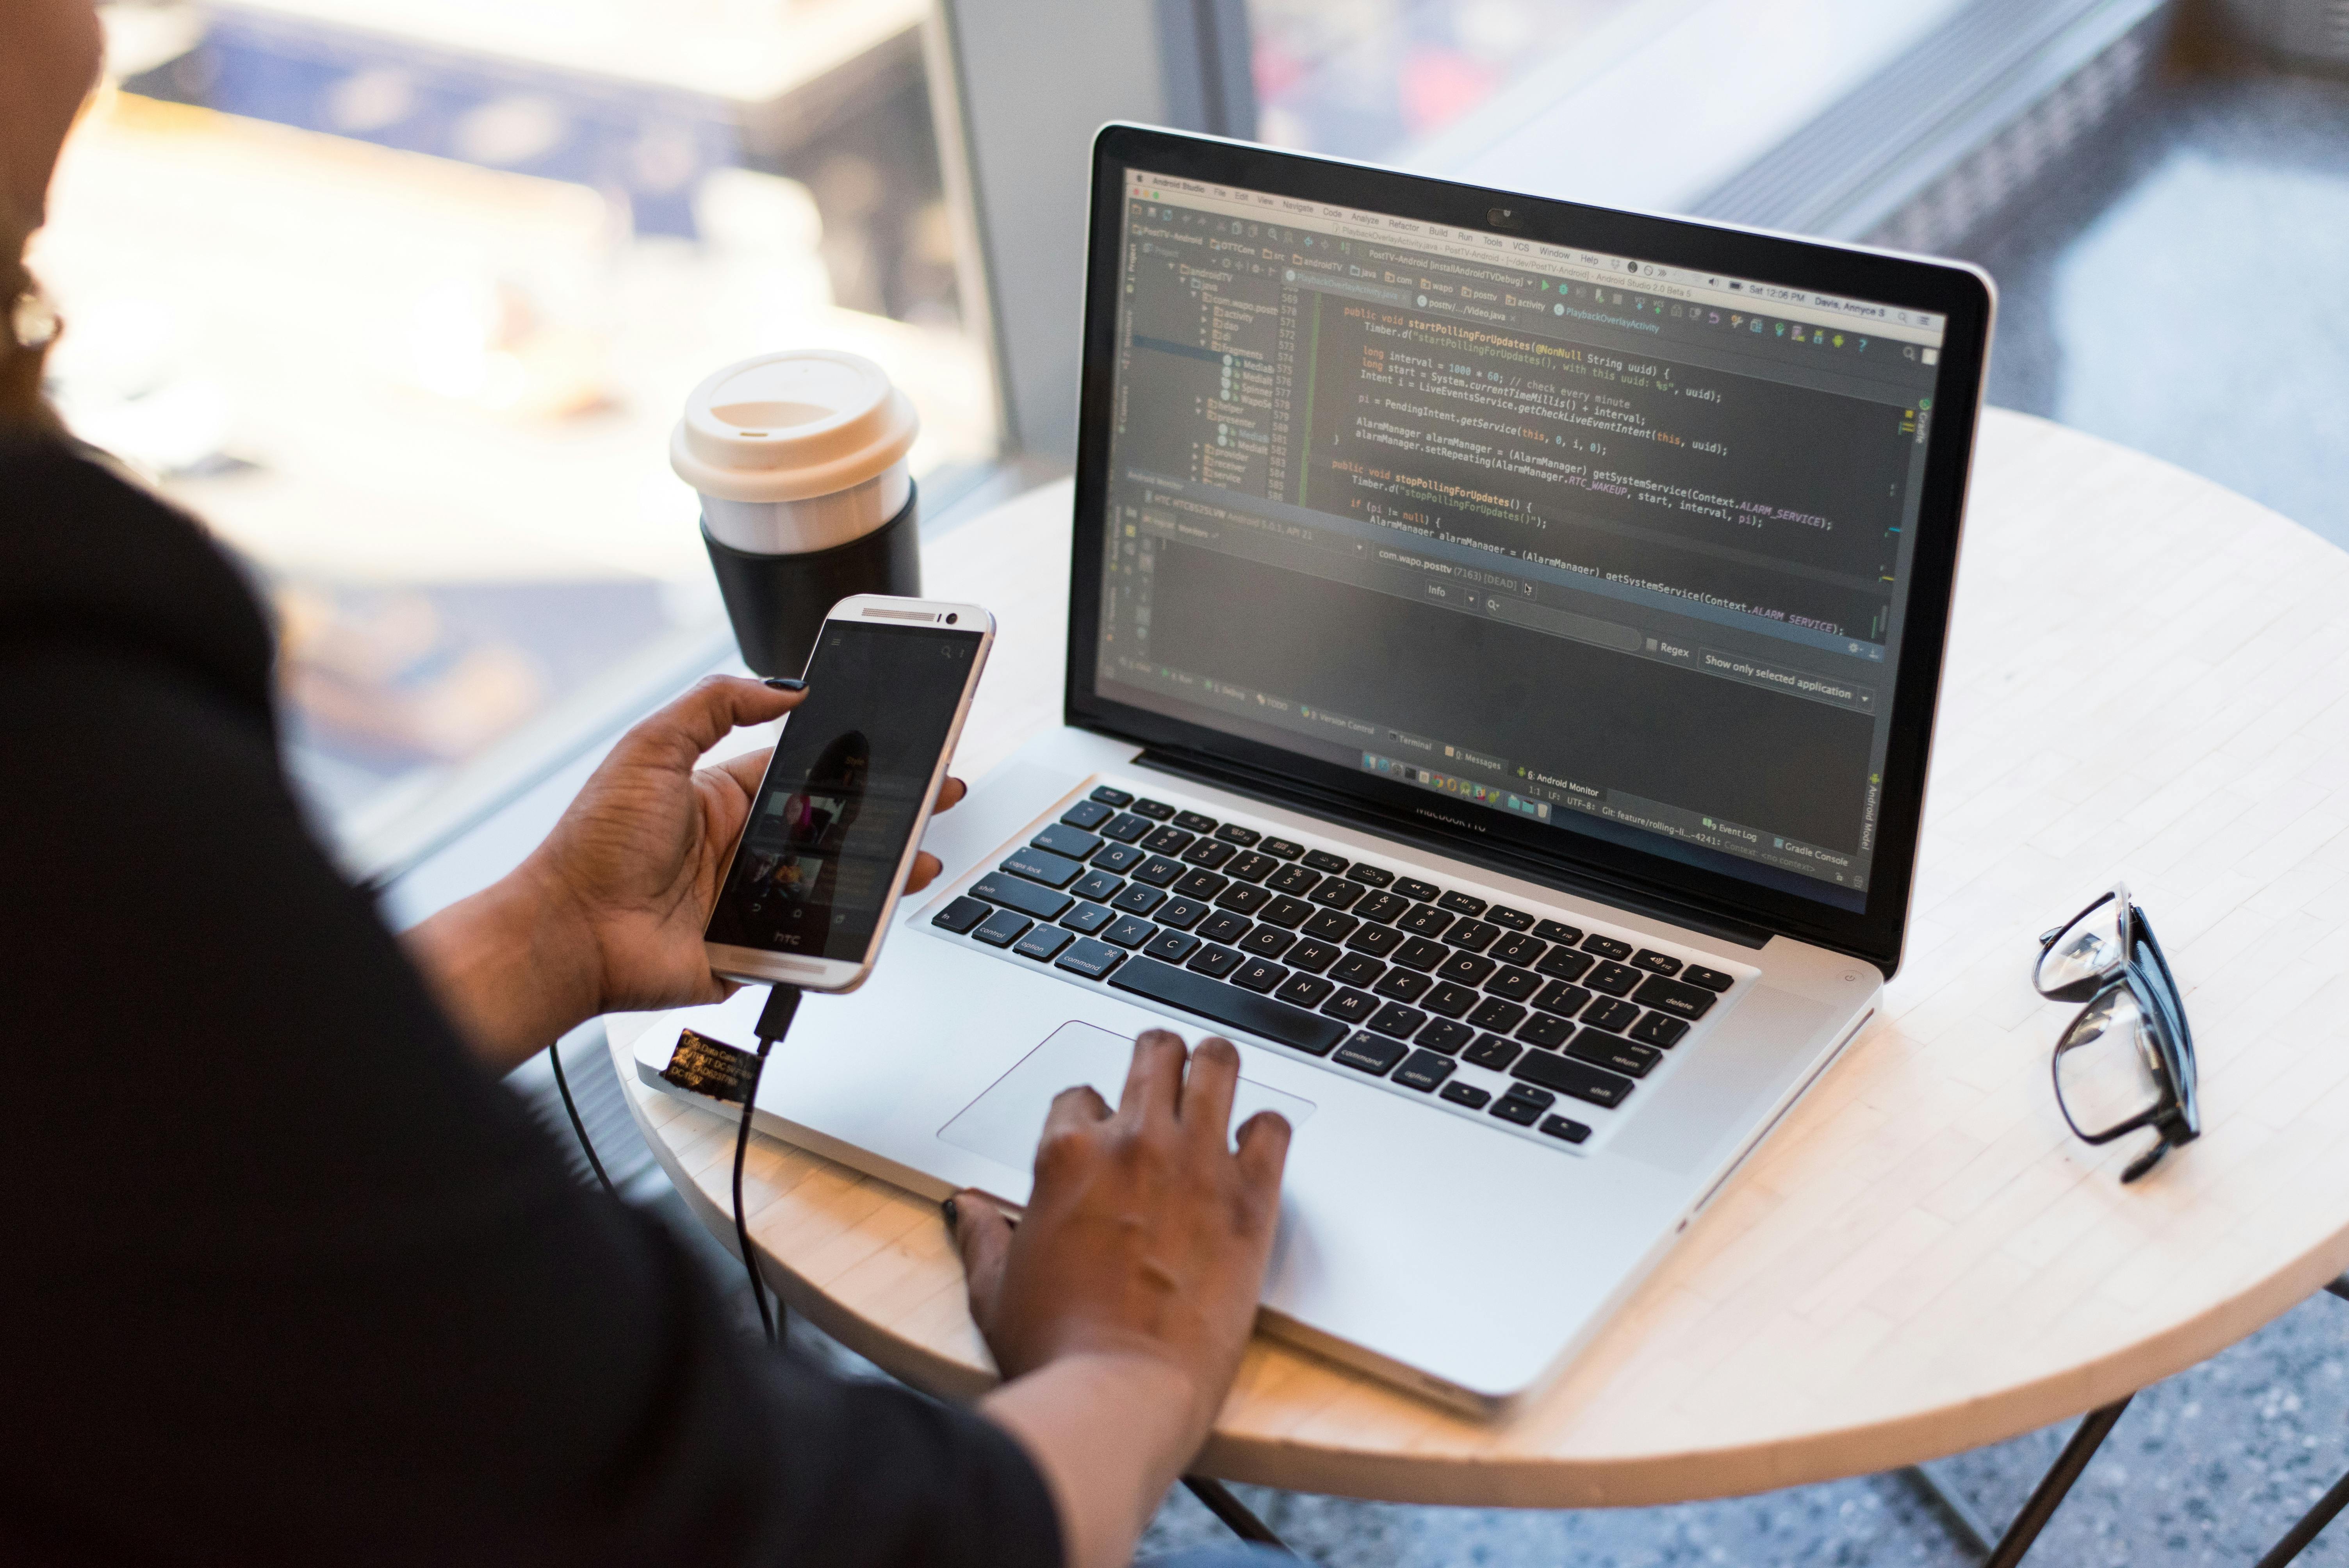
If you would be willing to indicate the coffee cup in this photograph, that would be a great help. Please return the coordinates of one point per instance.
(799, 459)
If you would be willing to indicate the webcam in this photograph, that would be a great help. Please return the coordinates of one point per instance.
(1502, 217)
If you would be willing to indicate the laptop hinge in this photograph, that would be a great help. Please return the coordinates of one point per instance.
(1345, 811)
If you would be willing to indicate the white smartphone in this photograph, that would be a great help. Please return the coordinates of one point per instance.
(838, 819)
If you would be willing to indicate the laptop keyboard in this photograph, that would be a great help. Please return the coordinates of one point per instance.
(1500, 1012)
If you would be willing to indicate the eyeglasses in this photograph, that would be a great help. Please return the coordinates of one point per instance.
(2126, 1062)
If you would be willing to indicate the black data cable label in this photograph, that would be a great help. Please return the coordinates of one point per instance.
(702, 1066)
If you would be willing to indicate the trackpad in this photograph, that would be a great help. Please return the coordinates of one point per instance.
(1004, 1123)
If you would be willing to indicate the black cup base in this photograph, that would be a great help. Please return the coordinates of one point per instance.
(776, 603)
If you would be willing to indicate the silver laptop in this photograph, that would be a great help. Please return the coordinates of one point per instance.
(1502, 651)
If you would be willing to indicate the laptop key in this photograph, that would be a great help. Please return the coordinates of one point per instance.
(1378, 940)
(1402, 984)
(1614, 979)
(1655, 962)
(1370, 876)
(1271, 941)
(1383, 907)
(1519, 949)
(1337, 892)
(1233, 833)
(1710, 979)
(1259, 974)
(1200, 884)
(1130, 933)
(1228, 1006)
(1509, 919)
(1424, 1071)
(1126, 829)
(1158, 870)
(1421, 954)
(1323, 860)
(1465, 968)
(1312, 956)
(1293, 879)
(1610, 1013)
(1243, 898)
(1466, 1094)
(1251, 867)
(1003, 928)
(1097, 886)
(1449, 1000)
(1579, 1079)
(1497, 1015)
(1494, 1052)
(1304, 990)
(1603, 1049)
(1284, 912)
(1043, 943)
(1168, 840)
(1513, 985)
(1110, 796)
(1350, 1006)
(1171, 946)
(1330, 926)
(1463, 904)
(1557, 996)
(1524, 1105)
(1062, 840)
(1656, 1030)
(1606, 947)
(1119, 859)
(1281, 849)
(1182, 913)
(1139, 897)
(1087, 918)
(1565, 963)
(1370, 1053)
(1224, 926)
(1208, 853)
(1043, 866)
(1557, 931)
(1036, 902)
(1673, 996)
(1445, 1035)
(1426, 920)
(1195, 822)
(1546, 1030)
(1157, 810)
(1357, 969)
(1416, 890)
(1565, 1128)
(1214, 961)
(1087, 815)
(960, 915)
(1472, 936)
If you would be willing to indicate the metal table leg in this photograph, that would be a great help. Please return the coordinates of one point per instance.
(1235, 1514)
(2045, 1498)
(2295, 1539)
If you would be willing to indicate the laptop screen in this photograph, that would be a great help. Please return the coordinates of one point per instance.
(1600, 544)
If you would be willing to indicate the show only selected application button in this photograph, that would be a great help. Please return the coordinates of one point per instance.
(1794, 683)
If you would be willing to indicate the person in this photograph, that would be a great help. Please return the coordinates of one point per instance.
(292, 1276)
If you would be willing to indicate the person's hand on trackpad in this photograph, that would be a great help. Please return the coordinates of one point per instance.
(1120, 1306)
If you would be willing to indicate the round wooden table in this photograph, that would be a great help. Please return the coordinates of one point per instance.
(2148, 680)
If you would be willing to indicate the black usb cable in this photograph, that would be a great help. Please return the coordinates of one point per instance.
(586, 1144)
(774, 1023)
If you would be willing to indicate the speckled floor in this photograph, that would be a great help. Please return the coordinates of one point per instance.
(2177, 286)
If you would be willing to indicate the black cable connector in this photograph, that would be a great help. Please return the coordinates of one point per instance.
(586, 1144)
(774, 1023)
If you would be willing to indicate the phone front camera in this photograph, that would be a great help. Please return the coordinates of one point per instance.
(952, 619)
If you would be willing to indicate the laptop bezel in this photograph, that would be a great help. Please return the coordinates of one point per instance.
(1963, 294)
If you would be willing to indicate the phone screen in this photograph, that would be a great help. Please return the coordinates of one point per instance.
(830, 819)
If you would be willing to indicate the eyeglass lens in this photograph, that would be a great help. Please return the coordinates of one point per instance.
(2108, 1065)
(2087, 947)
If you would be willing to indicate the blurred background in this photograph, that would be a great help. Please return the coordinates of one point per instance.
(401, 297)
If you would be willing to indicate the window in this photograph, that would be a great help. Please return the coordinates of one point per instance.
(403, 299)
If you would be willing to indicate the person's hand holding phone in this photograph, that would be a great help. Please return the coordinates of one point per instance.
(1119, 1306)
(608, 914)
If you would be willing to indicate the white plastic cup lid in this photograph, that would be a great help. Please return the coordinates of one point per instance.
(787, 426)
